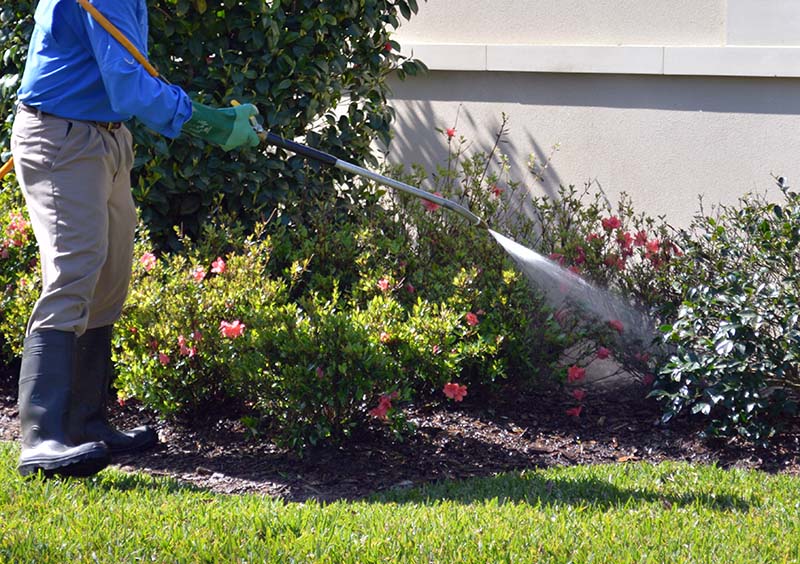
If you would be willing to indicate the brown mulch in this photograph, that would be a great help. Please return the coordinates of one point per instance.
(452, 441)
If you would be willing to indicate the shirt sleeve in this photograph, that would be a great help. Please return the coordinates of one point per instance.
(131, 90)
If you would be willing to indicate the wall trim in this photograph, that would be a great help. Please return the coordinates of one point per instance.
(754, 61)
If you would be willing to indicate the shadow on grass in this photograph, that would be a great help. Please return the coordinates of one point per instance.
(537, 489)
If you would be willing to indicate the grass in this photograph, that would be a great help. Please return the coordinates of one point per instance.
(670, 512)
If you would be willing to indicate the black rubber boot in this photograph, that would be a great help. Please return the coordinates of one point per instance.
(48, 360)
(88, 420)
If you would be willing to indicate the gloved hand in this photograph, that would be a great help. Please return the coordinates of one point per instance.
(227, 127)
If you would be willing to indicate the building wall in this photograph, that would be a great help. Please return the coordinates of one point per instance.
(666, 100)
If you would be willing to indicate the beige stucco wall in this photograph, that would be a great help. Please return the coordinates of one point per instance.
(705, 108)
(590, 22)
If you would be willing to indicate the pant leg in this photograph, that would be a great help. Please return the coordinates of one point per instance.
(67, 171)
(115, 276)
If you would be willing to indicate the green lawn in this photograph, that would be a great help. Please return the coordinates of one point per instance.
(617, 513)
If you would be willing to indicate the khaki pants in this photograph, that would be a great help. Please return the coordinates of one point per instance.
(76, 180)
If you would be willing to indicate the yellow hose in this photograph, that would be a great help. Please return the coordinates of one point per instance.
(6, 168)
(117, 34)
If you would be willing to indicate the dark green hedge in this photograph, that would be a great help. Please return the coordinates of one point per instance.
(316, 69)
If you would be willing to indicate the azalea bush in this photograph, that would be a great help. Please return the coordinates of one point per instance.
(736, 337)
(18, 265)
(611, 246)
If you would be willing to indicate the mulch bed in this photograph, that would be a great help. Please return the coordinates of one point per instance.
(453, 441)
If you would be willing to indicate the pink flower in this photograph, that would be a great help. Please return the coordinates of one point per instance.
(197, 336)
(640, 239)
(580, 255)
(653, 245)
(199, 273)
(648, 379)
(383, 285)
(575, 373)
(431, 206)
(454, 391)
(320, 372)
(593, 237)
(451, 132)
(410, 288)
(231, 330)
(603, 353)
(163, 359)
(557, 257)
(384, 405)
(385, 337)
(436, 350)
(611, 223)
(472, 319)
(579, 394)
(218, 266)
(625, 240)
(642, 356)
(148, 261)
(186, 350)
(616, 325)
(574, 411)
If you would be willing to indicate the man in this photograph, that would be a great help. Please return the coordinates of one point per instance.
(73, 157)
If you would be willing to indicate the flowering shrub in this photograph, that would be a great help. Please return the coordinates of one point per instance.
(736, 335)
(611, 247)
(18, 266)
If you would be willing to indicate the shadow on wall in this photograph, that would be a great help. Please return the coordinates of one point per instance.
(433, 100)
(417, 137)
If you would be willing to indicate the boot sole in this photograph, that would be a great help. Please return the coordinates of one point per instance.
(82, 466)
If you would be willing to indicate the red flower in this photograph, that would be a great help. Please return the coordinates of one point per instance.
(593, 237)
(431, 206)
(640, 239)
(556, 257)
(496, 191)
(451, 132)
(384, 405)
(648, 379)
(574, 411)
(455, 392)
(603, 353)
(218, 266)
(410, 288)
(163, 359)
(625, 240)
(611, 223)
(387, 46)
(231, 330)
(616, 325)
(580, 255)
(574, 269)
(579, 394)
(472, 319)
(575, 374)
(653, 245)
(320, 373)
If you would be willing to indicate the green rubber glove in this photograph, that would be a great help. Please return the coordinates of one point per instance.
(227, 127)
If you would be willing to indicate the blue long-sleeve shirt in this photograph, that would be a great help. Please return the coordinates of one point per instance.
(77, 70)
